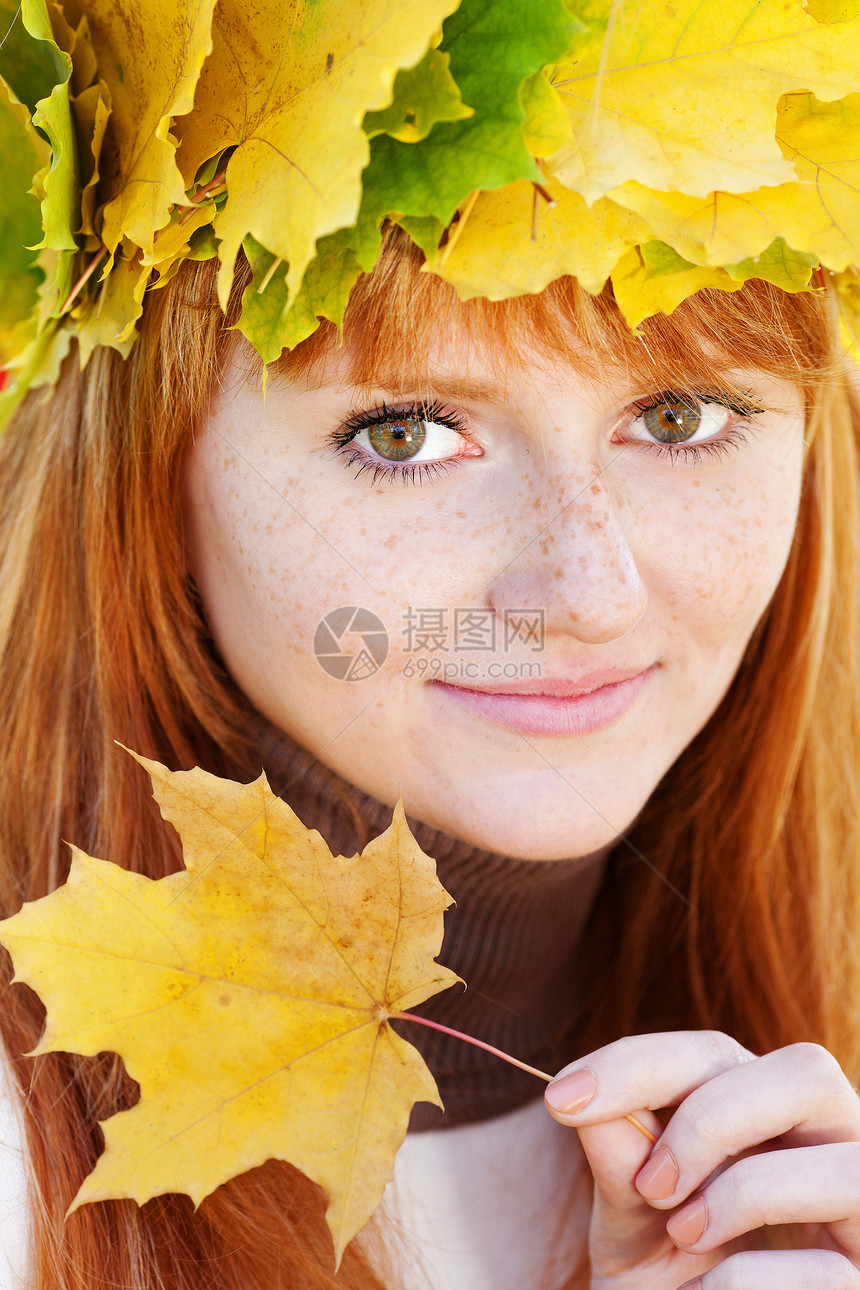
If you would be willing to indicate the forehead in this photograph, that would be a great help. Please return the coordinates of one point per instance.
(475, 369)
(404, 329)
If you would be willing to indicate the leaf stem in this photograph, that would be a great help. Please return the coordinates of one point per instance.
(454, 230)
(270, 273)
(82, 280)
(497, 1052)
(207, 188)
(478, 1043)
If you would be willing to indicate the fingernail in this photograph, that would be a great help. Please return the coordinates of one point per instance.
(689, 1223)
(692, 1285)
(658, 1177)
(572, 1093)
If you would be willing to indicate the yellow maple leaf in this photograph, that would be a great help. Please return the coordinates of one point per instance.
(289, 90)
(682, 94)
(651, 279)
(247, 995)
(822, 214)
(510, 242)
(112, 319)
(819, 213)
(717, 229)
(149, 53)
(547, 125)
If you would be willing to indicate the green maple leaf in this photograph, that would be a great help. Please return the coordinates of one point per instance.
(23, 152)
(778, 263)
(420, 179)
(30, 65)
(38, 71)
(271, 320)
(494, 49)
(424, 95)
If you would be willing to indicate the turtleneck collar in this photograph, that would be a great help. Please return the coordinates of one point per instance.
(512, 936)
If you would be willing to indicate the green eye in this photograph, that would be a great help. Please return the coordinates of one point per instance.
(397, 439)
(672, 421)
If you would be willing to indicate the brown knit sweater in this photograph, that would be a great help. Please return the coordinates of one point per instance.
(512, 936)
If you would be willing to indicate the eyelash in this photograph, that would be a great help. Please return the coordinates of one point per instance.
(390, 472)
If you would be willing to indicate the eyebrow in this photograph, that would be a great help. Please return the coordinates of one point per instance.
(442, 385)
(446, 385)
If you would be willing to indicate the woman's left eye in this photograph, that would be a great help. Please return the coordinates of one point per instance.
(675, 422)
(412, 442)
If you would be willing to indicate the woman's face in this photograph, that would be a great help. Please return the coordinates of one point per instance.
(567, 570)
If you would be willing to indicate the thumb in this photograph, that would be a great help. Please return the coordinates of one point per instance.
(626, 1232)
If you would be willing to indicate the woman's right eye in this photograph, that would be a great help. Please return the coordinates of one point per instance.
(413, 439)
(423, 439)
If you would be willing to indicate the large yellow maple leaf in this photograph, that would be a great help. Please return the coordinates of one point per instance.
(682, 94)
(248, 995)
(510, 242)
(287, 87)
(818, 213)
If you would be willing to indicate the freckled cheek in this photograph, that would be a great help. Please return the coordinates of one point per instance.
(432, 548)
(721, 556)
(261, 571)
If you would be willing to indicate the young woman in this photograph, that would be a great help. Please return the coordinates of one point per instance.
(652, 848)
(617, 576)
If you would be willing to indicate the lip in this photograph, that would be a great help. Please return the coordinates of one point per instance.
(554, 706)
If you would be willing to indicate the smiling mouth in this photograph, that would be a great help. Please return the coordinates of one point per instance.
(553, 706)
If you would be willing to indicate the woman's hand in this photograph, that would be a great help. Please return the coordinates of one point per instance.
(754, 1141)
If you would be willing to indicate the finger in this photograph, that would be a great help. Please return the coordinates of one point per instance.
(780, 1270)
(804, 1185)
(616, 1151)
(641, 1070)
(625, 1231)
(798, 1094)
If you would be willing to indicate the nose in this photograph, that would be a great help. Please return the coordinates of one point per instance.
(578, 568)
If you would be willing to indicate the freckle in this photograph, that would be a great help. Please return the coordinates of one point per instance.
(594, 489)
(461, 515)
(558, 575)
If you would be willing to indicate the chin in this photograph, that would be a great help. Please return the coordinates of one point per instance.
(530, 837)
